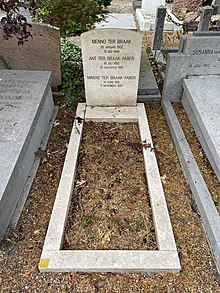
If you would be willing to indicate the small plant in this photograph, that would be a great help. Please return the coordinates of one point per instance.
(87, 221)
(72, 72)
(4, 62)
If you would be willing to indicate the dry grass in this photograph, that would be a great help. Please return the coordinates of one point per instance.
(110, 205)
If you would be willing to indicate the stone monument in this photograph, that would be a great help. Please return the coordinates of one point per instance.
(150, 6)
(146, 16)
(26, 107)
(40, 53)
(111, 67)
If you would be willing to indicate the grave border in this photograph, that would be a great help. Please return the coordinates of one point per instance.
(209, 215)
(54, 259)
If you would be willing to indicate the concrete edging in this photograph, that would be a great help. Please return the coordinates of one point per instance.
(54, 259)
(203, 199)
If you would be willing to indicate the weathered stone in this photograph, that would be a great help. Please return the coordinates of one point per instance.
(202, 45)
(111, 61)
(202, 104)
(150, 6)
(26, 107)
(117, 20)
(147, 87)
(41, 53)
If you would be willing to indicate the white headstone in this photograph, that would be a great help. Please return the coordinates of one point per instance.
(111, 63)
(150, 6)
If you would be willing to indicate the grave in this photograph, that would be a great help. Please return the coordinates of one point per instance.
(117, 20)
(26, 107)
(146, 16)
(111, 60)
(40, 53)
(192, 77)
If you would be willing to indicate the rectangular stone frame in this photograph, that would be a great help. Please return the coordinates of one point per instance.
(179, 67)
(54, 259)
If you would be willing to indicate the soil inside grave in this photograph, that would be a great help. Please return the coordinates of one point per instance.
(110, 206)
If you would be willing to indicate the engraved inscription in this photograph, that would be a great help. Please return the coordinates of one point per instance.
(205, 52)
(111, 62)
(16, 91)
(14, 94)
(107, 61)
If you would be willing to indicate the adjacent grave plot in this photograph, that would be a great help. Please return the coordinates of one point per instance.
(110, 206)
(26, 107)
(192, 77)
(201, 159)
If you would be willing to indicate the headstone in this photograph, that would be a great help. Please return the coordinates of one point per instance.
(41, 53)
(111, 62)
(198, 55)
(201, 45)
(117, 20)
(205, 18)
(26, 106)
(150, 6)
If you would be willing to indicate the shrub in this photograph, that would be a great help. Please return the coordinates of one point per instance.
(71, 16)
(72, 72)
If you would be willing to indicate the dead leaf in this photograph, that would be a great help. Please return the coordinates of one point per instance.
(80, 182)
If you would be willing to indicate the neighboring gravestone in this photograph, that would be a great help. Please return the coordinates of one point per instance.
(42, 52)
(150, 6)
(26, 106)
(198, 55)
(201, 45)
(117, 20)
(111, 62)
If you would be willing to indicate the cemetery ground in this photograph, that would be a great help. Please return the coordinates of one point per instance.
(21, 249)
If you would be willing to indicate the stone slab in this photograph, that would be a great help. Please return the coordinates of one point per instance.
(105, 261)
(180, 65)
(40, 53)
(111, 62)
(147, 82)
(54, 259)
(147, 22)
(201, 101)
(209, 215)
(111, 114)
(202, 45)
(200, 134)
(26, 106)
(150, 6)
(117, 20)
(27, 187)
